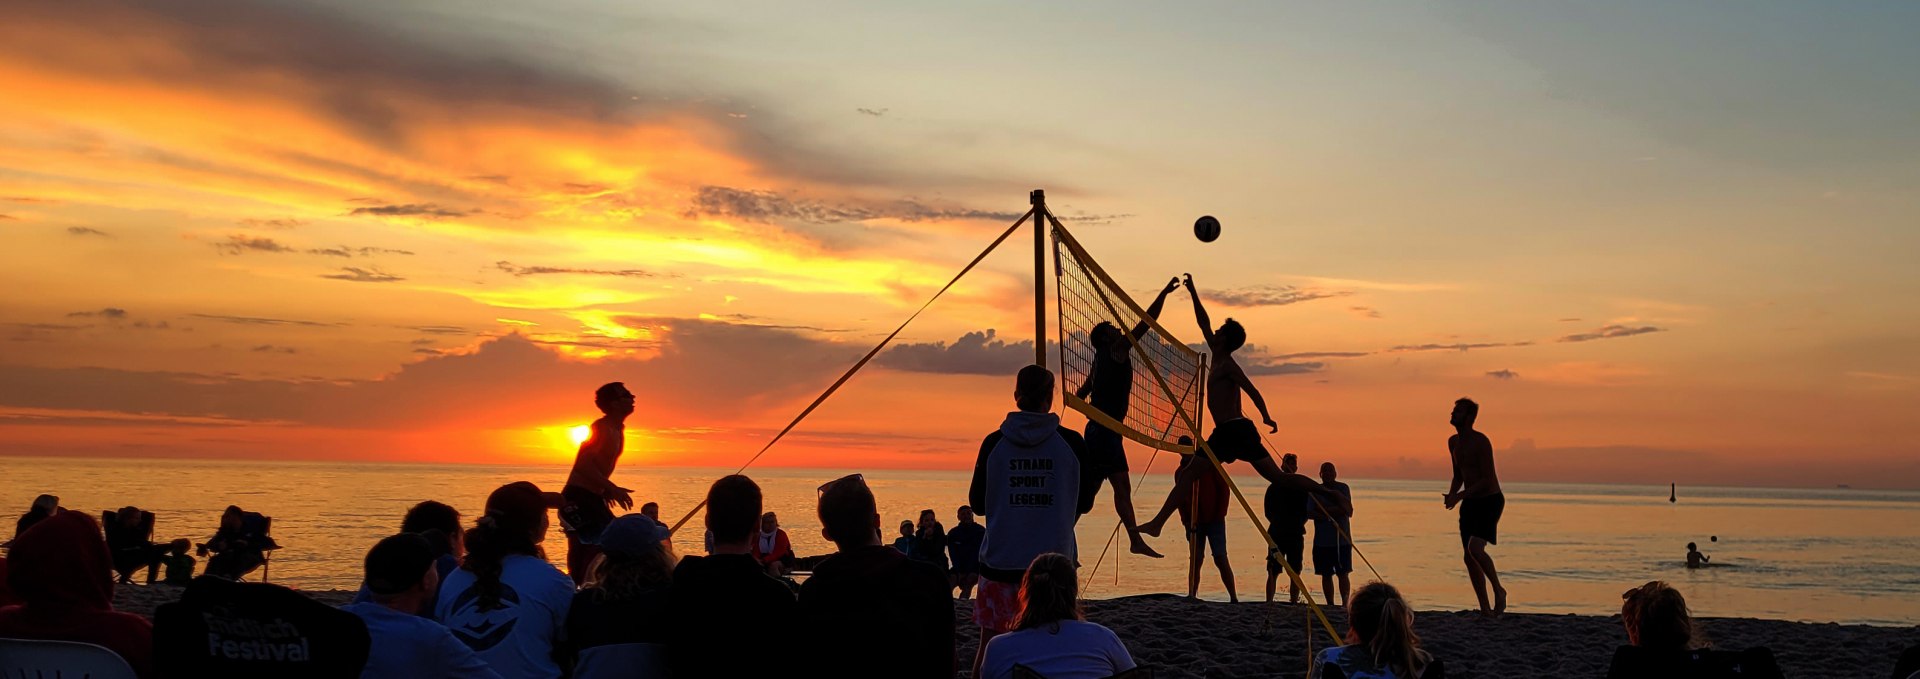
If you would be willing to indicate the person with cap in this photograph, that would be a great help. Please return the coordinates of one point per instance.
(506, 602)
(400, 575)
(619, 623)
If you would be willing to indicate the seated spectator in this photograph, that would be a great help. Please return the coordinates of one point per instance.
(223, 628)
(240, 546)
(130, 539)
(1050, 637)
(904, 543)
(43, 507)
(1380, 641)
(725, 603)
(1908, 666)
(505, 601)
(440, 525)
(179, 565)
(619, 623)
(1662, 642)
(868, 610)
(400, 573)
(771, 547)
(651, 510)
(60, 571)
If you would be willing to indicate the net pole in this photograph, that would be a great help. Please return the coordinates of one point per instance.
(1039, 200)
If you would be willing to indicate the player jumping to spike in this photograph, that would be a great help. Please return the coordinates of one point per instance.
(1110, 384)
(1234, 436)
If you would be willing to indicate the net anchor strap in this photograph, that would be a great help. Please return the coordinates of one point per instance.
(864, 359)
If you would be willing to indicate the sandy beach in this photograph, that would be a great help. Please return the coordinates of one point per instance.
(1218, 640)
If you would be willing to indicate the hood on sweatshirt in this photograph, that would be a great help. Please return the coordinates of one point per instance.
(1027, 429)
(62, 562)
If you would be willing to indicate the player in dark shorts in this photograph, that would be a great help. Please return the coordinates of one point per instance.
(1109, 388)
(1286, 510)
(1476, 489)
(587, 499)
(1234, 437)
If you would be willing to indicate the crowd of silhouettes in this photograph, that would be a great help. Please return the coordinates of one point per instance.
(448, 597)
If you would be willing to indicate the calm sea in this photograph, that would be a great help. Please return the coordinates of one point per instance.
(1811, 555)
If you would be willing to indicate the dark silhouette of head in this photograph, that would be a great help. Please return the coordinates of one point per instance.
(1465, 412)
(1049, 592)
(769, 522)
(439, 518)
(633, 561)
(733, 508)
(849, 516)
(515, 522)
(1328, 473)
(1230, 337)
(1657, 618)
(1691, 547)
(1033, 389)
(1380, 621)
(906, 528)
(1105, 337)
(928, 518)
(651, 510)
(965, 514)
(613, 399)
(401, 566)
(1290, 463)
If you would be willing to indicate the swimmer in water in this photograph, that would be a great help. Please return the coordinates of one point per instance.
(1694, 558)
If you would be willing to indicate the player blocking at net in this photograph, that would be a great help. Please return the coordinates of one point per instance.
(1234, 436)
(1109, 388)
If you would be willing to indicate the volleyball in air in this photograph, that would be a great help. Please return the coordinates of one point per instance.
(1206, 228)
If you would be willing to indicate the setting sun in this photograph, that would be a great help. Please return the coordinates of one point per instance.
(579, 434)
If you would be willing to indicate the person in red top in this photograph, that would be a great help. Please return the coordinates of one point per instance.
(1205, 516)
(61, 570)
(771, 546)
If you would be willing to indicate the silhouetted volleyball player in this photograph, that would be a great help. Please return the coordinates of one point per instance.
(1109, 388)
(1234, 436)
(589, 493)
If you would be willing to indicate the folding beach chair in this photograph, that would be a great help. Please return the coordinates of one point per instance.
(132, 546)
(36, 659)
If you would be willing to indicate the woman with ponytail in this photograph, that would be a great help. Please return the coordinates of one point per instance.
(505, 601)
(1051, 638)
(1380, 641)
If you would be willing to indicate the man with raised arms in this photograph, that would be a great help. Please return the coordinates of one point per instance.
(1109, 388)
(1234, 436)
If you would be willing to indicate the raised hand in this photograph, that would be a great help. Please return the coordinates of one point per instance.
(1172, 284)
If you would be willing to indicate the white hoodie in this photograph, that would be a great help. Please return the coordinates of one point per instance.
(1028, 486)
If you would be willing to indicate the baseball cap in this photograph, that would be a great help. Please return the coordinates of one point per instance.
(633, 535)
(398, 563)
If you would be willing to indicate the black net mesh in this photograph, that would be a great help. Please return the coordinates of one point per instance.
(1087, 297)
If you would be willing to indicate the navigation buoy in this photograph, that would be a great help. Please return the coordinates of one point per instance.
(1673, 494)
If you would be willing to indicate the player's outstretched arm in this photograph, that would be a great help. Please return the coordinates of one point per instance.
(1253, 393)
(1153, 310)
(1199, 311)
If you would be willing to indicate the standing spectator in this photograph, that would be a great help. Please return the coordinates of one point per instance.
(401, 576)
(963, 543)
(1205, 517)
(869, 611)
(1333, 537)
(1286, 510)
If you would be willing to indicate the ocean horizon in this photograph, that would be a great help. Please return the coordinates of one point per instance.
(1807, 555)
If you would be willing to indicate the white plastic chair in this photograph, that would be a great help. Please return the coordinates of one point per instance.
(36, 659)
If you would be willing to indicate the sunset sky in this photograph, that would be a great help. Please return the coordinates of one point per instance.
(1657, 241)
